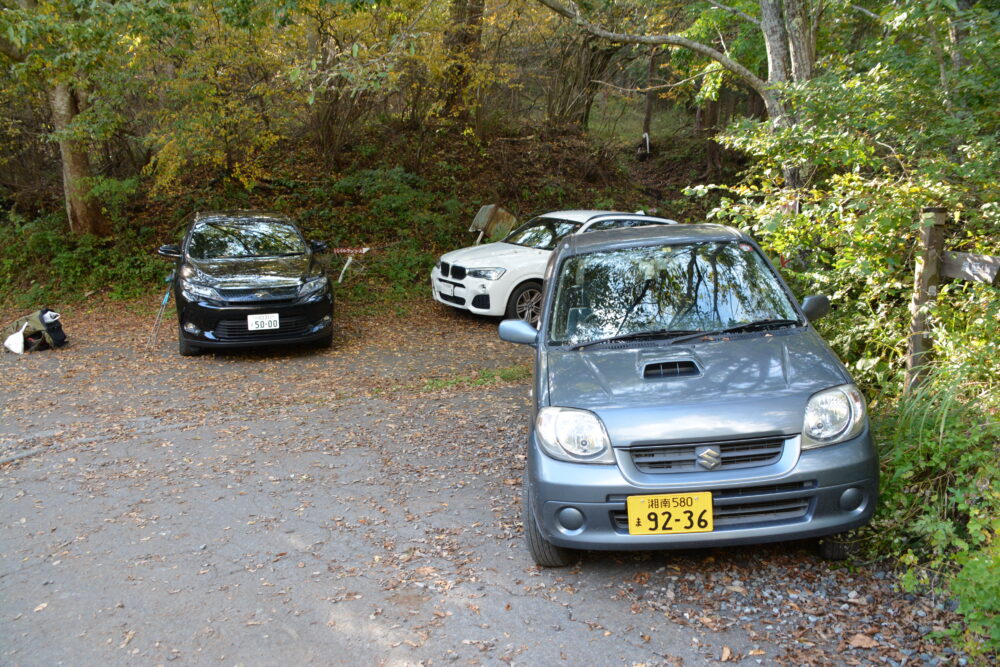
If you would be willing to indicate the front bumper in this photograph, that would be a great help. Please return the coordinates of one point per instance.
(824, 491)
(482, 297)
(225, 326)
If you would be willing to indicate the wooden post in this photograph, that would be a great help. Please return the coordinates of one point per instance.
(925, 287)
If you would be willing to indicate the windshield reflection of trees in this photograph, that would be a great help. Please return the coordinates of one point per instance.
(694, 287)
(542, 233)
(216, 240)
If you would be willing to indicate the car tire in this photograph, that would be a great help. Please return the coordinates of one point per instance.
(185, 348)
(525, 302)
(834, 547)
(326, 342)
(543, 552)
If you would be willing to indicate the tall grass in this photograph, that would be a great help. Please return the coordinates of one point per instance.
(940, 451)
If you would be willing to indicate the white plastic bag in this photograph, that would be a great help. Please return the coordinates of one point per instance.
(15, 341)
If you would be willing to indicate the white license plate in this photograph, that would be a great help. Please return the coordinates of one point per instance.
(263, 322)
(447, 289)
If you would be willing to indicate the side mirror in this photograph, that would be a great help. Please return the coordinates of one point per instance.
(518, 331)
(815, 306)
(318, 246)
(170, 251)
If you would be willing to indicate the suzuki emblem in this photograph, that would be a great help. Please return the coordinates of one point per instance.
(709, 457)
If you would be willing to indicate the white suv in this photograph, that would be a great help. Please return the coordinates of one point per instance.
(505, 278)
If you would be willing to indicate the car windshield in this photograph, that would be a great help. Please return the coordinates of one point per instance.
(541, 233)
(666, 290)
(232, 239)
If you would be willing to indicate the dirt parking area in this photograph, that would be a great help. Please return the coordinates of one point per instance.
(358, 505)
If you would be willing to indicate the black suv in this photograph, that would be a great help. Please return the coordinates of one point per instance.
(248, 278)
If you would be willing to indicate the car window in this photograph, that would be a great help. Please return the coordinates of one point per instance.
(685, 287)
(601, 225)
(542, 233)
(229, 239)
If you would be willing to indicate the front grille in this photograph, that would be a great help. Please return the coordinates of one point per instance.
(445, 268)
(741, 507)
(457, 272)
(451, 298)
(236, 330)
(258, 294)
(734, 454)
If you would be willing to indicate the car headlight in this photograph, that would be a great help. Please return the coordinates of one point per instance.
(313, 286)
(486, 274)
(196, 291)
(573, 435)
(832, 416)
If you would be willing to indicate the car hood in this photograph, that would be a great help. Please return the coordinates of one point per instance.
(495, 254)
(749, 385)
(254, 272)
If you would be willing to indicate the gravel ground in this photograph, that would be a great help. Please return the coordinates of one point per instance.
(327, 507)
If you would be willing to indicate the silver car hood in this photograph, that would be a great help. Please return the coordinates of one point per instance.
(749, 385)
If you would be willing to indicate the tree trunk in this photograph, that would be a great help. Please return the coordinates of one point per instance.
(84, 213)
(647, 116)
(772, 26)
(801, 40)
(463, 44)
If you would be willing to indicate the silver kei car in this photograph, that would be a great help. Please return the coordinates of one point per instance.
(683, 399)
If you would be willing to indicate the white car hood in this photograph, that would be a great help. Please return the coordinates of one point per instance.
(503, 255)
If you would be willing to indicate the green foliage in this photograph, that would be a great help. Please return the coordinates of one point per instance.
(40, 264)
(884, 130)
(978, 587)
(941, 494)
(484, 377)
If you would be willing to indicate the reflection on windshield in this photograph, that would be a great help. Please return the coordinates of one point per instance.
(689, 287)
(225, 239)
(541, 233)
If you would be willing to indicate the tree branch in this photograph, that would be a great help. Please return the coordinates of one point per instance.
(867, 12)
(733, 10)
(663, 86)
(742, 73)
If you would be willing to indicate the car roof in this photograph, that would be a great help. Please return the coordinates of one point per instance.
(591, 215)
(236, 215)
(636, 236)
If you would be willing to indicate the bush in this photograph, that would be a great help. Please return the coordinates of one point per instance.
(41, 262)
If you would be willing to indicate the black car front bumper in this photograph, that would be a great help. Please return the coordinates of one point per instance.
(209, 325)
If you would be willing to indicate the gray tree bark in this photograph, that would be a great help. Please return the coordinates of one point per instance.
(84, 213)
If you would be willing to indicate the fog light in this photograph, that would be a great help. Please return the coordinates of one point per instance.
(192, 329)
(482, 288)
(570, 518)
(852, 499)
(326, 320)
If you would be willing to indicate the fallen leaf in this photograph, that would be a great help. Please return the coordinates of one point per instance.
(42, 606)
(727, 654)
(862, 641)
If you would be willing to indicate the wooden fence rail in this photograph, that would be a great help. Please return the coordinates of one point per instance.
(934, 263)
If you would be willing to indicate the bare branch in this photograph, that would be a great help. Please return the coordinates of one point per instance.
(665, 86)
(733, 10)
(867, 12)
(742, 73)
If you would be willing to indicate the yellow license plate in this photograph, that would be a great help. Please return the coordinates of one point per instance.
(670, 513)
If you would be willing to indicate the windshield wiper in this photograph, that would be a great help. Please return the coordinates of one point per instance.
(656, 333)
(746, 326)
